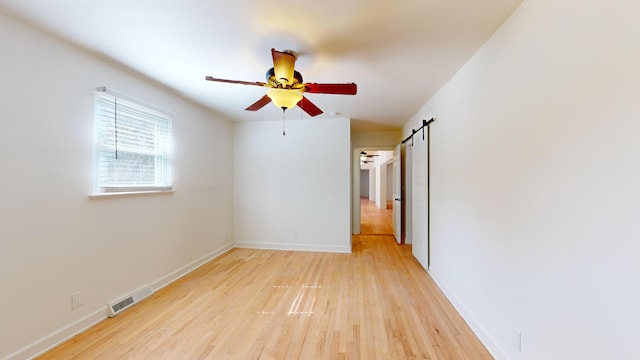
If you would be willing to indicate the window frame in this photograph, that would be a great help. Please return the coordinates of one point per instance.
(160, 137)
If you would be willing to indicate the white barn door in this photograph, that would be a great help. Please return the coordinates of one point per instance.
(419, 199)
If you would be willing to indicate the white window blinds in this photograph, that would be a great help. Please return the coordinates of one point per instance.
(132, 145)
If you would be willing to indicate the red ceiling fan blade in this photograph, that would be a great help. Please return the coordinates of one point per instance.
(256, 83)
(259, 104)
(283, 64)
(309, 107)
(339, 89)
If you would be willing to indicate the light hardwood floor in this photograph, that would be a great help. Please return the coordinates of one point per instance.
(375, 221)
(375, 303)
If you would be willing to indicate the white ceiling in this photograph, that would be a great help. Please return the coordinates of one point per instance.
(399, 52)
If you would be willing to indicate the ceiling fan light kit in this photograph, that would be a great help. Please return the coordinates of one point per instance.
(284, 98)
(286, 86)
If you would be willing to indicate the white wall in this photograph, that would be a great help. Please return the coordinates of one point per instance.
(534, 183)
(380, 164)
(373, 184)
(293, 191)
(381, 186)
(364, 183)
(54, 240)
(390, 181)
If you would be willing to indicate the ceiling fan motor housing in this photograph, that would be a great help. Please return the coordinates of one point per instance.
(283, 83)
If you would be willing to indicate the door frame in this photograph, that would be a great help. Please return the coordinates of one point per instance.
(355, 184)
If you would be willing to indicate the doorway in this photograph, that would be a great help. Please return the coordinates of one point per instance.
(376, 186)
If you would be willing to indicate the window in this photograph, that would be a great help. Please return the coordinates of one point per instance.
(132, 145)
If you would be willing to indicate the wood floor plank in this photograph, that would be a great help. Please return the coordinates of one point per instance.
(376, 303)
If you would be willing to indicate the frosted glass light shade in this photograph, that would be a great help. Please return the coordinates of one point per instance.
(284, 98)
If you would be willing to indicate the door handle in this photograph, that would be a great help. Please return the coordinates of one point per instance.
(397, 199)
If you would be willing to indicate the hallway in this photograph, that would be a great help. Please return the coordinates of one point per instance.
(375, 221)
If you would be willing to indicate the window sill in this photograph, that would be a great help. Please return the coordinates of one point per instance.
(130, 193)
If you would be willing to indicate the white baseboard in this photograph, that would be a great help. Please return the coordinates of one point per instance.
(63, 334)
(484, 337)
(168, 279)
(292, 247)
(57, 337)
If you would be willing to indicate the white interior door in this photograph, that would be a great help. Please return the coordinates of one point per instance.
(397, 195)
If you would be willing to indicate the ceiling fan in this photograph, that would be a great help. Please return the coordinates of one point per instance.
(364, 155)
(286, 87)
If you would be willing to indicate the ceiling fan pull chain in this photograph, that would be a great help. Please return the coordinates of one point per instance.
(283, 133)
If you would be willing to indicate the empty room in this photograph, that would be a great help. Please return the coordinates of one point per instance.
(320, 180)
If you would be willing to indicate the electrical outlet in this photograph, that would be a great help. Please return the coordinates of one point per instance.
(76, 301)
(296, 235)
(516, 339)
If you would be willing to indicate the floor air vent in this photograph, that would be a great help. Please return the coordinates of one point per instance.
(119, 306)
